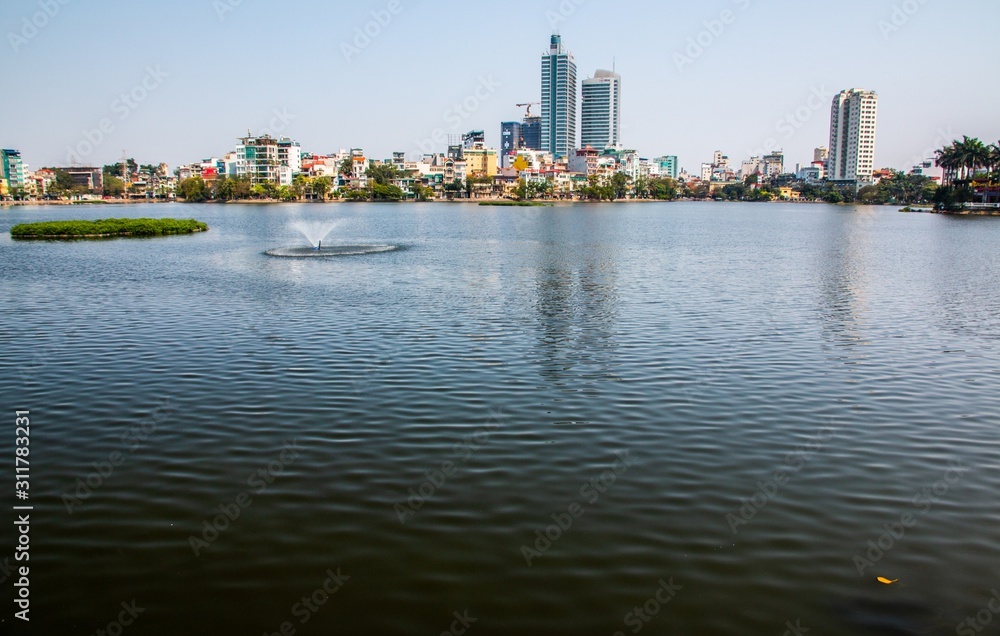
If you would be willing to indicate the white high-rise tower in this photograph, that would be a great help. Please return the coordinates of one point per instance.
(600, 121)
(852, 136)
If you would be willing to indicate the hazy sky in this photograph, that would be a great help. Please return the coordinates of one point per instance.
(180, 81)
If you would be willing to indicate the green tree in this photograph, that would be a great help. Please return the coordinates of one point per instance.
(115, 169)
(321, 187)
(347, 167)
(381, 192)
(193, 190)
(421, 192)
(620, 185)
(833, 196)
(664, 189)
(383, 174)
(300, 185)
(759, 195)
(355, 195)
(224, 189)
(641, 188)
(733, 192)
(113, 186)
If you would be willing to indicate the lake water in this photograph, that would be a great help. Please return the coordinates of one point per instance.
(710, 409)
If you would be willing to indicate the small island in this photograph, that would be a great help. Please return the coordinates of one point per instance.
(106, 228)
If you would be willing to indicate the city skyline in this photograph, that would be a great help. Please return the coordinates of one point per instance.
(697, 91)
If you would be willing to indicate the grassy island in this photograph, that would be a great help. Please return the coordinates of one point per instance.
(516, 204)
(105, 228)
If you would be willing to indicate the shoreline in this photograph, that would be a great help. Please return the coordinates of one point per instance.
(479, 201)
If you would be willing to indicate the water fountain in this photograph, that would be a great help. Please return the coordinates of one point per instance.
(316, 232)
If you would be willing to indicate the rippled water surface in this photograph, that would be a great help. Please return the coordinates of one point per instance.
(722, 405)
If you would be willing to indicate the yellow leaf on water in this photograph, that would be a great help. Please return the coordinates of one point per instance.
(882, 579)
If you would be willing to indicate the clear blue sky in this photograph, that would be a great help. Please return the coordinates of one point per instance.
(231, 65)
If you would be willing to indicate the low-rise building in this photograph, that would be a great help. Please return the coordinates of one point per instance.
(668, 166)
(773, 164)
(480, 160)
(88, 177)
(929, 168)
(265, 159)
(12, 168)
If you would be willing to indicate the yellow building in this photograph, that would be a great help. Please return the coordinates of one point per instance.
(788, 194)
(481, 162)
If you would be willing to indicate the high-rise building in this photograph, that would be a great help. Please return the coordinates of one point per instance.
(510, 142)
(852, 136)
(821, 154)
(559, 89)
(12, 170)
(600, 119)
(531, 133)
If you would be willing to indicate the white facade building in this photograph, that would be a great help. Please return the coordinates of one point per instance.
(600, 121)
(852, 136)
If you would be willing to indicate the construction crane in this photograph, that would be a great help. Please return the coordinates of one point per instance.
(528, 105)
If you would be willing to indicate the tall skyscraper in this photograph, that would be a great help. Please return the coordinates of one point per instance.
(852, 136)
(600, 121)
(558, 100)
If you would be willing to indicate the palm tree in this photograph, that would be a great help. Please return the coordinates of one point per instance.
(977, 155)
(995, 162)
(947, 158)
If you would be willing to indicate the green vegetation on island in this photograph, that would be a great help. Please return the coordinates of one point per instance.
(103, 228)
